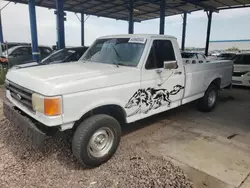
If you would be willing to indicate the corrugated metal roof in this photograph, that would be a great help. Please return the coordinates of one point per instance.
(143, 9)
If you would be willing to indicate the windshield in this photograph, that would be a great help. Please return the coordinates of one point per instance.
(187, 55)
(119, 51)
(59, 55)
(9, 51)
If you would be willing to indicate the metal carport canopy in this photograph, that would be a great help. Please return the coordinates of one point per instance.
(143, 9)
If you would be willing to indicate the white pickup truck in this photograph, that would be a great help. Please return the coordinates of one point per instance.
(119, 80)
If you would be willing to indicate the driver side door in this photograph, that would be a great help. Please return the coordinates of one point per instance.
(162, 88)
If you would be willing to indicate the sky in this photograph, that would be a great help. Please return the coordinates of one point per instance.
(226, 25)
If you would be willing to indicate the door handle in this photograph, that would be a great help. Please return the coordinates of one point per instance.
(178, 72)
(158, 71)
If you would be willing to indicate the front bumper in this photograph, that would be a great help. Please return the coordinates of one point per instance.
(241, 81)
(34, 135)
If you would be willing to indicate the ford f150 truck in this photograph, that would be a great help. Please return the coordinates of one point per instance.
(120, 79)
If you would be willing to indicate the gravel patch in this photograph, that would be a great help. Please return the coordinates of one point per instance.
(132, 166)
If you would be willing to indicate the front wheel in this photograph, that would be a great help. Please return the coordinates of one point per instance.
(96, 140)
(209, 100)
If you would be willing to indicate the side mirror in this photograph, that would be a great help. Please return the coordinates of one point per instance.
(170, 65)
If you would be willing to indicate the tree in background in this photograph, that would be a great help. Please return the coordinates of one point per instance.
(233, 49)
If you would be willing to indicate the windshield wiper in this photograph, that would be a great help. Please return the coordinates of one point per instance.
(118, 55)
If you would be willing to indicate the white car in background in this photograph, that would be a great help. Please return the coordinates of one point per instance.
(241, 74)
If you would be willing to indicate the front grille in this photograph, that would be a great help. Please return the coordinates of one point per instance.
(21, 94)
(239, 74)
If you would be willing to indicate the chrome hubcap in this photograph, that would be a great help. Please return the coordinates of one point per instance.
(211, 98)
(101, 142)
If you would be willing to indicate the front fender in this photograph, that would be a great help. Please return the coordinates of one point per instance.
(73, 111)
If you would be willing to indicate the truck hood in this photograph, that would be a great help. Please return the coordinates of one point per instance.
(72, 77)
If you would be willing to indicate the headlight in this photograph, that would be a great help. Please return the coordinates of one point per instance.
(50, 106)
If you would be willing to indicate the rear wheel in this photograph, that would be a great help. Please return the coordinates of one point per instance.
(209, 100)
(96, 140)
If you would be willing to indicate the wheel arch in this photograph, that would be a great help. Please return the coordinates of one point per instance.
(216, 81)
(114, 110)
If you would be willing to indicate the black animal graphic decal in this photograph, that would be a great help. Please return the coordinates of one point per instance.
(151, 98)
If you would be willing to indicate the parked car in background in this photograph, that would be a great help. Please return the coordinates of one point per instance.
(215, 53)
(8, 45)
(225, 56)
(193, 57)
(21, 54)
(60, 56)
(241, 74)
(120, 79)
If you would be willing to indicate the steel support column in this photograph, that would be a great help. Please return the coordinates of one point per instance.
(82, 29)
(184, 31)
(1, 29)
(162, 16)
(210, 13)
(131, 17)
(60, 24)
(33, 30)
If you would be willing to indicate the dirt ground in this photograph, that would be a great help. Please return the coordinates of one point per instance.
(132, 165)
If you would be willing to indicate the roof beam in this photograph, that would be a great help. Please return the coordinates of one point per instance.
(150, 12)
(204, 6)
(238, 2)
(224, 4)
(124, 7)
(88, 1)
(157, 2)
(143, 3)
(233, 7)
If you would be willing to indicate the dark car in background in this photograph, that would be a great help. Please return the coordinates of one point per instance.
(60, 56)
(21, 54)
(8, 45)
(226, 56)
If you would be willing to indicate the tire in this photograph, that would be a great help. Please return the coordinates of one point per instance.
(206, 104)
(90, 137)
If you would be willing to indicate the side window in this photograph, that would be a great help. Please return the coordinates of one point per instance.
(162, 50)
(246, 59)
(26, 51)
(151, 62)
(16, 52)
(22, 51)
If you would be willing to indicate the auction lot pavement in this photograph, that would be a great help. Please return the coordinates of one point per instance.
(213, 149)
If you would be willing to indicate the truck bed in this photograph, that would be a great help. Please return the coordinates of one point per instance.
(200, 76)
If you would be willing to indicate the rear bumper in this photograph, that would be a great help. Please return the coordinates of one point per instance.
(34, 135)
(241, 81)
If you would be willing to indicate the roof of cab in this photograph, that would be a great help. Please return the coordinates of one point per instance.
(148, 36)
